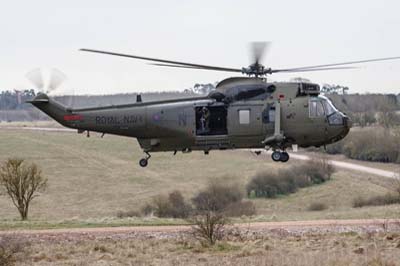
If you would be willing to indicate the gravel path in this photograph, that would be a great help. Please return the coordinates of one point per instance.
(281, 228)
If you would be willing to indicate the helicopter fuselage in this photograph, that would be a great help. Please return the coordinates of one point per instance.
(276, 115)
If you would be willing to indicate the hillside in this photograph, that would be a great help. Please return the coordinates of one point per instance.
(93, 178)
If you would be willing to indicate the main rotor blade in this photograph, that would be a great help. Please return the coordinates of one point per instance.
(309, 69)
(258, 50)
(341, 64)
(201, 68)
(166, 61)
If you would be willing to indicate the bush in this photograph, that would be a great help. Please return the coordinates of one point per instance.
(386, 199)
(126, 214)
(379, 144)
(180, 209)
(241, 208)
(212, 205)
(317, 206)
(318, 170)
(217, 197)
(147, 210)
(208, 226)
(172, 206)
(270, 185)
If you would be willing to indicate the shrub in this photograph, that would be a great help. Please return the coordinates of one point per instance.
(317, 170)
(241, 208)
(379, 144)
(270, 184)
(386, 199)
(212, 205)
(208, 226)
(335, 148)
(180, 209)
(125, 214)
(317, 206)
(217, 197)
(147, 209)
(173, 206)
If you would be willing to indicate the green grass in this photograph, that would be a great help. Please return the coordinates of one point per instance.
(89, 223)
(92, 178)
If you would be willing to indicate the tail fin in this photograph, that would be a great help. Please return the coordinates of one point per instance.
(52, 108)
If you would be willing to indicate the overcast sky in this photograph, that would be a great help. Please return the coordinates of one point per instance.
(44, 33)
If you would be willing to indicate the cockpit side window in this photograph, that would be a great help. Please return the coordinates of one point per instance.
(316, 109)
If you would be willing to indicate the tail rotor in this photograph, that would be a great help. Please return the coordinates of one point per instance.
(49, 82)
(46, 81)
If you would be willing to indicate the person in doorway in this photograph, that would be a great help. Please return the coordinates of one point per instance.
(205, 119)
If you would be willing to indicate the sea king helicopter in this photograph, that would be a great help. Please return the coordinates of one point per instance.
(241, 113)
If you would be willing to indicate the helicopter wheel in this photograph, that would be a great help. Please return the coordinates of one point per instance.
(284, 157)
(143, 162)
(276, 156)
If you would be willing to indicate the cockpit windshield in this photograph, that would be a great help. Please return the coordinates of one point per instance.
(334, 117)
(329, 107)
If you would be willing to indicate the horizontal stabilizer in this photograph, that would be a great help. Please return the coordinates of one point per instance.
(38, 101)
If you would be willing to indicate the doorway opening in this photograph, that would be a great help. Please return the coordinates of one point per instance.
(211, 120)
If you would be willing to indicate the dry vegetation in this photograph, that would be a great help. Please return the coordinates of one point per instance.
(391, 197)
(276, 247)
(267, 184)
(370, 144)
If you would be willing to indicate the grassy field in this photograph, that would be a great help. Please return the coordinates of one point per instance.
(91, 179)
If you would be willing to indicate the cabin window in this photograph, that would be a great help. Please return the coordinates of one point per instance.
(271, 115)
(316, 109)
(268, 115)
(244, 117)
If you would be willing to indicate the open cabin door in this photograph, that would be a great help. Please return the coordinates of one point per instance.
(211, 120)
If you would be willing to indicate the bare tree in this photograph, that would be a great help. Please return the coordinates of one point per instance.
(208, 226)
(209, 218)
(22, 183)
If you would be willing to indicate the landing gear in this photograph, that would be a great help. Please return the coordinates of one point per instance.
(144, 161)
(278, 156)
(284, 157)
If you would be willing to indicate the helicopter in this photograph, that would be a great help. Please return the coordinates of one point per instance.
(245, 112)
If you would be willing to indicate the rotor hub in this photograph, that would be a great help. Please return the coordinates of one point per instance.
(256, 70)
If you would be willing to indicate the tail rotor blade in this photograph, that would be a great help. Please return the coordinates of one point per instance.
(36, 78)
(56, 79)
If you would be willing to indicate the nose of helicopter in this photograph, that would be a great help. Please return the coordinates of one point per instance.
(347, 122)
